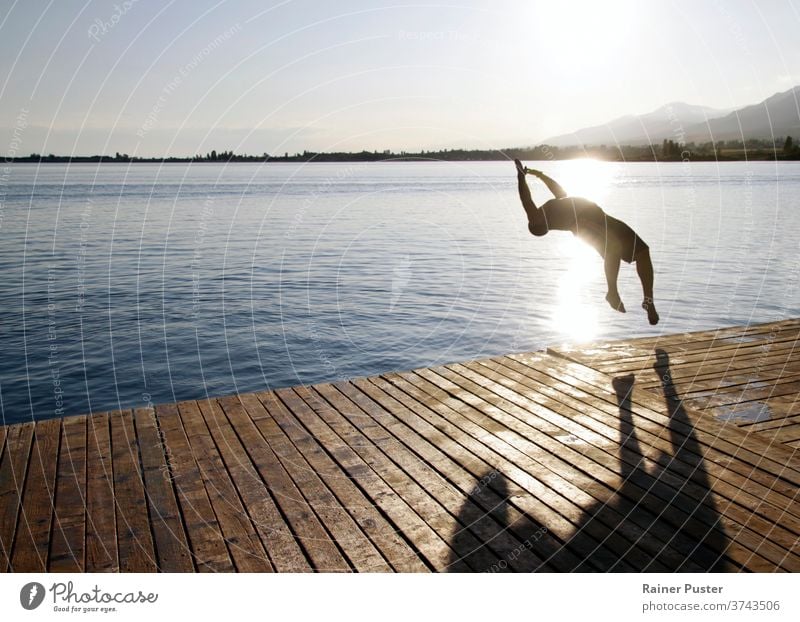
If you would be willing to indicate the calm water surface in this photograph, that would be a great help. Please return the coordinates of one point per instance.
(128, 284)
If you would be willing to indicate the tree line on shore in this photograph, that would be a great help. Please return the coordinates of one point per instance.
(668, 151)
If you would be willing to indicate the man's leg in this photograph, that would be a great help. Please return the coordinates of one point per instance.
(644, 268)
(612, 261)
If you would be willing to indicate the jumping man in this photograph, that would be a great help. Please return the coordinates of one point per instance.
(612, 238)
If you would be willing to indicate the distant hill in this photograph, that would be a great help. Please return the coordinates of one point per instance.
(640, 129)
(776, 116)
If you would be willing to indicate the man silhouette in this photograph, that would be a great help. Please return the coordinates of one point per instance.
(612, 238)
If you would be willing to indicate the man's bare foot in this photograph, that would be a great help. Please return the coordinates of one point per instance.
(649, 306)
(520, 169)
(615, 302)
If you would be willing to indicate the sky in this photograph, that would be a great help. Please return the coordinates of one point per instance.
(179, 77)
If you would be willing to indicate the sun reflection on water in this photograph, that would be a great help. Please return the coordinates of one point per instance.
(575, 314)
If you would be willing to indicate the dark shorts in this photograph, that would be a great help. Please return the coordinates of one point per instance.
(609, 235)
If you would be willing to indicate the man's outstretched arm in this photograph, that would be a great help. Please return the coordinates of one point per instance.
(552, 184)
(524, 191)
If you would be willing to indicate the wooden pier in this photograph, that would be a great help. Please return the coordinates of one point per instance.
(679, 452)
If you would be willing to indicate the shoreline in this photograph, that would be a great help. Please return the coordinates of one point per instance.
(638, 154)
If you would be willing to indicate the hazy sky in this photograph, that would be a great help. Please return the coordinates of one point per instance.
(154, 77)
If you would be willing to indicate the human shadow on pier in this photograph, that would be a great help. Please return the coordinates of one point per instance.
(661, 517)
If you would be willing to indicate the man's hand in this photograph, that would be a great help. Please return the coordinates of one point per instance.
(533, 171)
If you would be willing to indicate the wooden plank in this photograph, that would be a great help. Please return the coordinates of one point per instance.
(693, 346)
(33, 533)
(707, 359)
(728, 383)
(68, 547)
(13, 468)
(721, 398)
(696, 353)
(400, 554)
(360, 551)
(428, 542)
(770, 423)
(171, 544)
(771, 334)
(722, 377)
(602, 352)
(222, 532)
(687, 374)
(281, 544)
(739, 408)
(617, 348)
(318, 543)
(135, 540)
(786, 434)
(684, 365)
(756, 354)
(101, 526)
(778, 409)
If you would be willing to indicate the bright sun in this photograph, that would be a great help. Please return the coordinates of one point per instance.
(583, 32)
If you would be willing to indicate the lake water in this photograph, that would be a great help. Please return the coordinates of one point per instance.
(128, 284)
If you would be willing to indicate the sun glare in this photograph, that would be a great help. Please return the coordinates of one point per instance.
(574, 315)
(586, 178)
(585, 33)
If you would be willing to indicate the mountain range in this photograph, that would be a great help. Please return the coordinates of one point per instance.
(776, 117)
